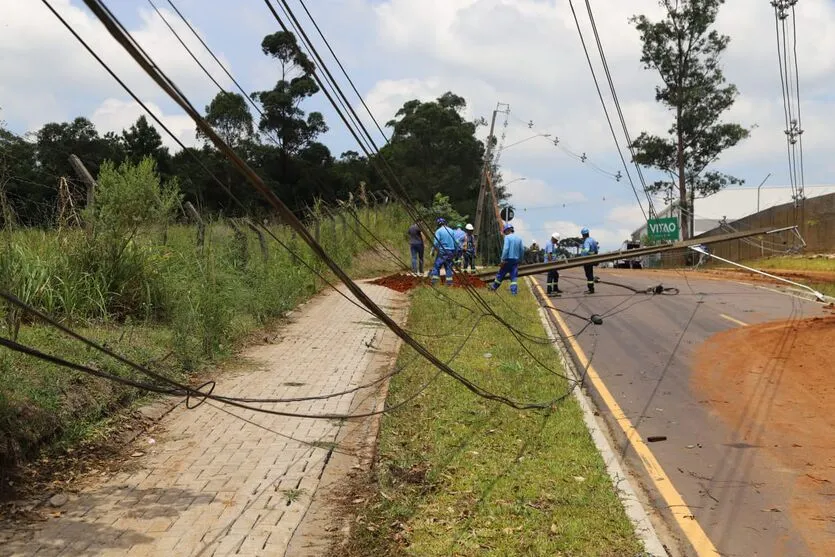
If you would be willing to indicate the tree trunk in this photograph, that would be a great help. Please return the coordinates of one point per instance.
(682, 187)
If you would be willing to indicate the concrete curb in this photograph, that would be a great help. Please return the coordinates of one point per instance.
(626, 492)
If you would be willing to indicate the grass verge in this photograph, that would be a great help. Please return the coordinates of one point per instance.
(461, 475)
(795, 263)
(819, 265)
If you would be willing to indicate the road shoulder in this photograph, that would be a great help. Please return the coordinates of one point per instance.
(635, 508)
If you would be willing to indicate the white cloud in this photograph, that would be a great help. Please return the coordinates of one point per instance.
(49, 76)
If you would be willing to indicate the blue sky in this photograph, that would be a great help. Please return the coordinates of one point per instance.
(522, 52)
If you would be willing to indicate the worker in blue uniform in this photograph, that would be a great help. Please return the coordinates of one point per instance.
(590, 247)
(513, 252)
(551, 255)
(469, 249)
(444, 245)
(460, 239)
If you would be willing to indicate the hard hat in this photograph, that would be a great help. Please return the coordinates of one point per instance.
(441, 220)
(469, 226)
(556, 236)
(507, 226)
(584, 231)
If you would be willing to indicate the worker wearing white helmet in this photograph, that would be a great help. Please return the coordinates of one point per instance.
(551, 254)
(469, 249)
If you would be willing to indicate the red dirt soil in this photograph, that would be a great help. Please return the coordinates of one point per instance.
(403, 282)
(775, 384)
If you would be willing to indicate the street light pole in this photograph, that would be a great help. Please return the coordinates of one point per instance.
(758, 191)
(524, 140)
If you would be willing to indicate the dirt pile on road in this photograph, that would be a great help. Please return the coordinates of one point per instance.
(402, 282)
(775, 384)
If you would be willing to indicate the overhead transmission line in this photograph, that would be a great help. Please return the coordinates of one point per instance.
(331, 82)
(174, 95)
(606, 110)
(560, 144)
(628, 138)
(115, 28)
(257, 108)
(790, 90)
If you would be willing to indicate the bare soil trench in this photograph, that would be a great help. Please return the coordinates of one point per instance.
(774, 383)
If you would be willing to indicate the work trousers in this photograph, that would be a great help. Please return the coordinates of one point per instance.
(444, 259)
(469, 260)
(417, 258)
(589, 269)
(509, 267)
(553, 281)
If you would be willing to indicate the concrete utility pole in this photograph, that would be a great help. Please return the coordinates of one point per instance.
(485, 172)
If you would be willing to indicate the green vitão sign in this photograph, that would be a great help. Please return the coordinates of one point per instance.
(663, 229)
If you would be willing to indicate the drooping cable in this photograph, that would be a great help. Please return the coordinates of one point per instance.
(606, 110)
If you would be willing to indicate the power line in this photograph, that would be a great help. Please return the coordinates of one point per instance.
(799, 119)
(344, 72)
(122, 36)
(618, 107)
(606, 110)
(257, 108)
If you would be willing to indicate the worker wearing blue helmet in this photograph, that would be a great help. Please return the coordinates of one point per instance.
(445, 246)
(590, 247)
(512, 253)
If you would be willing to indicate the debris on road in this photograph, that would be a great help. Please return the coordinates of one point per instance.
(656, 438)
(58, 500)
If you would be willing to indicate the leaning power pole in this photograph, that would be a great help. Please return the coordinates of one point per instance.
(487, 170)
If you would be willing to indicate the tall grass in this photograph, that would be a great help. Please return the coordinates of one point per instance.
(148, 290)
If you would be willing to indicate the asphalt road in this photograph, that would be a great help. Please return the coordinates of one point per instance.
(643, 354)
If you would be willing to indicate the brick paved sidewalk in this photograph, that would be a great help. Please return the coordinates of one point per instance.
(214, 484)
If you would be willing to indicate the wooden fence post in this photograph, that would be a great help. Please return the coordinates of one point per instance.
(92, 186)
(201, 228)
(261, 241)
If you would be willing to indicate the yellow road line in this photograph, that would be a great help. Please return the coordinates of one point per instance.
(681, 512)
(732, 320)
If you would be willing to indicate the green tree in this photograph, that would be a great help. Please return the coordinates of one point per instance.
(433, 149)
(57, 141)
(685, 51)
(142, 140)
(283, 118)
(229, 115)
(28, 196)
(571, 243)
(441, 207)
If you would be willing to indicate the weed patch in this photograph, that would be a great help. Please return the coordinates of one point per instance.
(138, 283)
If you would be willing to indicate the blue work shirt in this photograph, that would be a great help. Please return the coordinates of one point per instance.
(445, 239)
(513, 248)
(590, 246)
(460, 236)
(551, 252)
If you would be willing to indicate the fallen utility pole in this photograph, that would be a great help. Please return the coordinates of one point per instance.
(538, 268)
